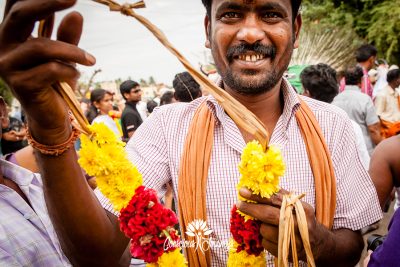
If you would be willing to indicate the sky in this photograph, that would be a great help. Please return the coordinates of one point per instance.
(124, 48)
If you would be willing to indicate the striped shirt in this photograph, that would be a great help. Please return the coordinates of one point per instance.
(27, 236)
(157, 146)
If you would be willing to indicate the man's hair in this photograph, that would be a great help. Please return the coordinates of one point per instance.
(127, 86)
(166, 98)
(320, 81)
(353, 75)
(295, 7)
(186, 88)
(393, 75)
(364, 52)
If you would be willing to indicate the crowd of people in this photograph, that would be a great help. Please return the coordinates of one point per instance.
(357, 111)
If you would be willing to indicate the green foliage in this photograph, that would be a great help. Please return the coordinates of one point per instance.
(375, 21)
(5, 92)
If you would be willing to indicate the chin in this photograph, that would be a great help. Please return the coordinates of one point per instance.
(250, 84)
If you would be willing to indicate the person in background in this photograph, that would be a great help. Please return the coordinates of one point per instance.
(167, 98)
(14, 135)
(385, 173)
(387, 104)
(359, 107)
(319, 82)
(101, 104)
(186, 88)
(151, 105)
(130, 119)
(366, 57)
(27, 236)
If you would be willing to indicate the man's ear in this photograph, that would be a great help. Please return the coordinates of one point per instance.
(296, 30)
(207, 26)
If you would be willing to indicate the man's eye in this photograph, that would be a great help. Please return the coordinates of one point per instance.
(272, 15)
(230, 15)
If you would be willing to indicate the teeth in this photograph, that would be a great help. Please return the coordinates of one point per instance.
(251, 58)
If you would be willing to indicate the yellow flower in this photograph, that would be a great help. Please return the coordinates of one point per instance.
(243, 259)
(260, 170)
(170, 259)
(103, 155)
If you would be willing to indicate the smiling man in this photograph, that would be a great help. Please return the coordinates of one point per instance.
(252, 43)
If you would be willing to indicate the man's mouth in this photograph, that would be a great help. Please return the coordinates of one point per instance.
(250, 57)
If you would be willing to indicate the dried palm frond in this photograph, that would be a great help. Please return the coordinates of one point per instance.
(331, 46)
(243, 117)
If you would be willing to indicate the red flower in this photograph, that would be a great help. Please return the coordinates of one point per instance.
(246, 234)
(144, 220)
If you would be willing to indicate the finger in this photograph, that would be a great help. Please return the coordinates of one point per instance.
(275, 199)
(70, 28)
(270, 247)
(20, 18)
(270, 232)
(41, 50)
(31, 82)
(265, 213)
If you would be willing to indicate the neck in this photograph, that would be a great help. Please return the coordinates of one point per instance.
(267, 106)
(364, 65)
(393, 86)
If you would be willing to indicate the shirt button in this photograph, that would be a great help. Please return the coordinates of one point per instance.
(28, 216)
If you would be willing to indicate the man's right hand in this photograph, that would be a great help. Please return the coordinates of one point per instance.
(31, 65)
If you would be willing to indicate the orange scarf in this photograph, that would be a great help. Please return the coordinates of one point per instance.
(195, 161)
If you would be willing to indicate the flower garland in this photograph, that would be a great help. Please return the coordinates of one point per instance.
(142, 217)
(260, 172)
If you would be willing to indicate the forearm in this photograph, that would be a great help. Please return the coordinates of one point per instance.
(88, 236)
(340, 247)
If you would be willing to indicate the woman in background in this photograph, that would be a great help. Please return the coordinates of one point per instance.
(101, 104)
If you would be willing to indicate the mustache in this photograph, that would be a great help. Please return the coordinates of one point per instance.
(258, 48)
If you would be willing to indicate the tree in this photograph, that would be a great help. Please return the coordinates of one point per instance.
(375, 21)
(152, 81)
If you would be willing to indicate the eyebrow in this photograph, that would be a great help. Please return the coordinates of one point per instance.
(267, 6)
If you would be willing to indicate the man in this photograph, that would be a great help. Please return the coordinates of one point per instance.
(13, 135)
(366, 57)
(359, 107)
(130, 118)
(251, 42)
(27, 236)
(319, 82)
(186, 88)
(387, 104)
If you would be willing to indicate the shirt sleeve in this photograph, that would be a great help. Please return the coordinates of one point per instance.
(132, 122)
(388, 254)
(357, 203)
(380, 104)
(370, 116)
(147, 149)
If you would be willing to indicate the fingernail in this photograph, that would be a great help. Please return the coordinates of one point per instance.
(244, 192)
(91, 59)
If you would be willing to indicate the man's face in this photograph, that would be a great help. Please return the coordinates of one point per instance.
(252, 42)
(135, 95)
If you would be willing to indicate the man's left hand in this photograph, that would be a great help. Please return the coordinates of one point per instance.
(267, 210)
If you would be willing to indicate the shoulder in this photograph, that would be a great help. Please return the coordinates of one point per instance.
(322, 109)
(178, 111)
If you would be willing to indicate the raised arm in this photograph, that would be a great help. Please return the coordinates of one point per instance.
(89, 236)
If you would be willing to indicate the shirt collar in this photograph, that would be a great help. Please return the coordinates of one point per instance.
(17, 174)
(352, 88)
(290, 98)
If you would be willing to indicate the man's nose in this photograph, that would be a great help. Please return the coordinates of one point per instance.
(251, 31)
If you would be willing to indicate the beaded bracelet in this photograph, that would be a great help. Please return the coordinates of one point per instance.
(54, 150)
